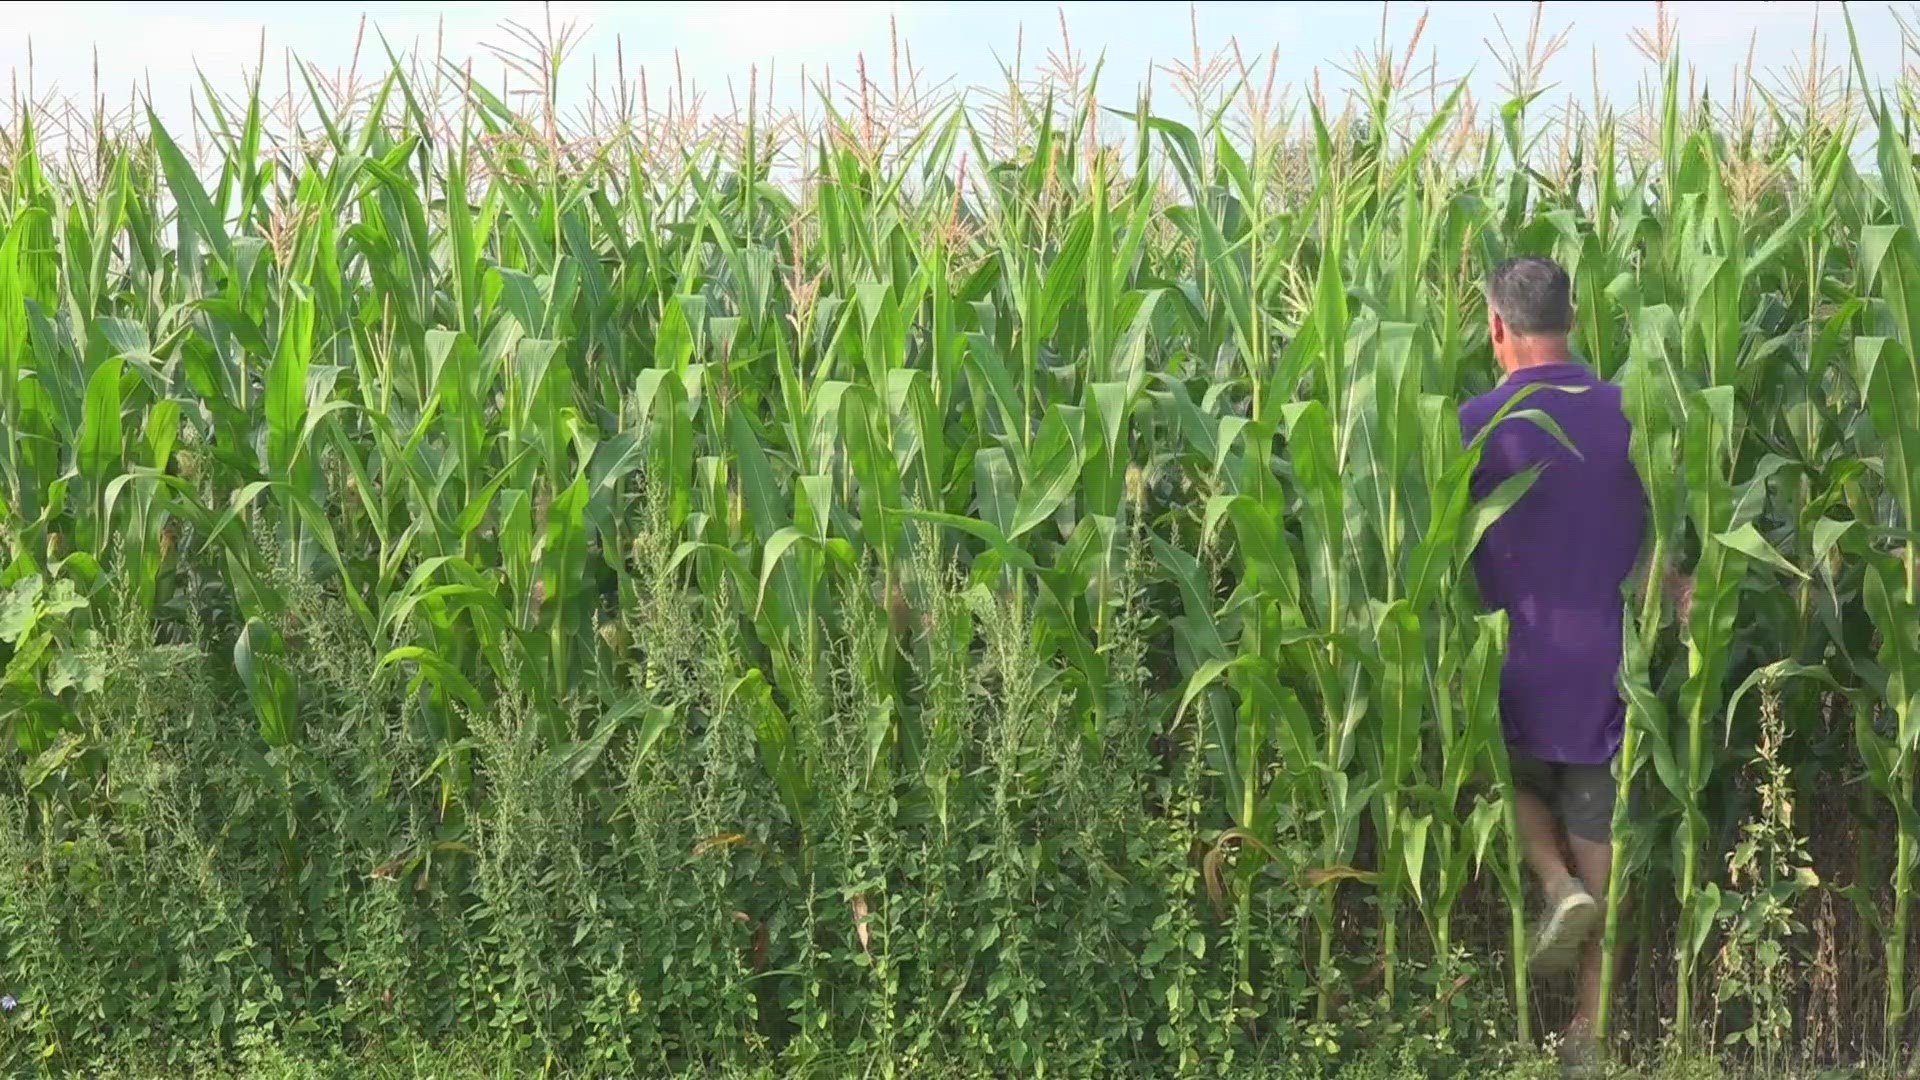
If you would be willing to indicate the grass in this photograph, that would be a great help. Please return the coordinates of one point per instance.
(461, 1062)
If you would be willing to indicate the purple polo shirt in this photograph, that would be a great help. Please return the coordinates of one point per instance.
(1556, 560)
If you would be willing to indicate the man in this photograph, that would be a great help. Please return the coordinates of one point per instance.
(1555, 562)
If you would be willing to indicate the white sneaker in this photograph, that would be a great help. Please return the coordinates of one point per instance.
(1569, 923)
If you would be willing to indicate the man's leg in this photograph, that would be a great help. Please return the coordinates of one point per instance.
(1586, 805)
(1539, 831)
(1568, 919)
(1594, 861)
(1540, 839)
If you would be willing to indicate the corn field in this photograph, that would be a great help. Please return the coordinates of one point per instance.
(922, 579)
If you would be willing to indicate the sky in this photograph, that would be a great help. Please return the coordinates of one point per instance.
(966, 43)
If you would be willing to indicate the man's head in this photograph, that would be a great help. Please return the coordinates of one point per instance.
(1529, 312)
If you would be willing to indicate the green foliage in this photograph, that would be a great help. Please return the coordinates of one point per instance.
(973, 584)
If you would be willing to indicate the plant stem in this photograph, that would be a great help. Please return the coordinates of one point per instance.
(1517, 914)
(1651, 604)
(1897, 939)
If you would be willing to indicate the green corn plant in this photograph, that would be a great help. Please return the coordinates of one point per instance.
(1890, 378)
(1705, 448)
(1510, 872)
(1270, 716)
(1652, 411)
(1468, 653)
(454, 388)
(1334, 662)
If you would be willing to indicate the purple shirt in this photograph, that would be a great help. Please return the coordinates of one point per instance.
(1556, 560)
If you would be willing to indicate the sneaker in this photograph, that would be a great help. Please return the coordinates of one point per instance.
(1569, 923)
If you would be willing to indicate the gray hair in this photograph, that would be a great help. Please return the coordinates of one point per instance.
(1532, 295)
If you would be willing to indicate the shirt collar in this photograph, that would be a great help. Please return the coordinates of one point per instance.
(1558, 371)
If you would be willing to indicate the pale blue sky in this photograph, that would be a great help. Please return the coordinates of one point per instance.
(961, 41)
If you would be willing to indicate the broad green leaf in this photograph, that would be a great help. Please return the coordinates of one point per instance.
(287, 387)
(188, 194)
(1747, 540)
(1502, 498)
(777, 547)
(100, 435)
(1050, 479)
(1775, 672)
(1414, 850)
(993, 486)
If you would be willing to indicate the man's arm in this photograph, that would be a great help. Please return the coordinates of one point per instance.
(1680, 594)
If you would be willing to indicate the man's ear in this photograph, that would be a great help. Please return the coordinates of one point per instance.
(1496, 326)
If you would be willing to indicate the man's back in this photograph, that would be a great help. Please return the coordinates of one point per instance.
(1555, 561)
